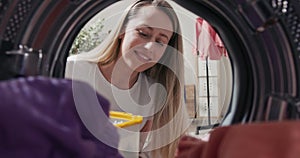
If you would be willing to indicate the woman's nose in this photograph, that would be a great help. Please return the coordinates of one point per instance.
(149, 45)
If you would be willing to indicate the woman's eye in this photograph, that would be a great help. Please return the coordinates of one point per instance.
(143, 34)
(160, 43)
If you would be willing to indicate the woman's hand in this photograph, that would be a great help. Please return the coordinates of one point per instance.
(189, 147)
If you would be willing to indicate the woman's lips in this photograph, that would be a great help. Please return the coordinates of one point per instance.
(142, 57)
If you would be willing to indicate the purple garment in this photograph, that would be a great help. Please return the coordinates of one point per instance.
(38, 119)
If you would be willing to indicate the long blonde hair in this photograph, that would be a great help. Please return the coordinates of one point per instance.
(169, 76)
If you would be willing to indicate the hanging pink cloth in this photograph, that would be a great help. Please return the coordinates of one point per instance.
(208, 43)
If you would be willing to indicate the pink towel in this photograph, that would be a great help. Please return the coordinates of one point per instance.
(208, 43)
(256, 140)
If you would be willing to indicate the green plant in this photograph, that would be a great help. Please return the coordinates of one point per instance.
(89, 37)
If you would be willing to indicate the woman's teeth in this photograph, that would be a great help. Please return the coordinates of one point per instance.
(143, 56)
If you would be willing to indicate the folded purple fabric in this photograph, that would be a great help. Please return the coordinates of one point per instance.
(38, 119)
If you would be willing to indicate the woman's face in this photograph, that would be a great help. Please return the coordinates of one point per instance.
(145, 38)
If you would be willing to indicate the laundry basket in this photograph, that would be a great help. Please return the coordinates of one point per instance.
(128, 128)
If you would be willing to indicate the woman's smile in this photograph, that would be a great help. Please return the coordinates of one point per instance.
(142, 57)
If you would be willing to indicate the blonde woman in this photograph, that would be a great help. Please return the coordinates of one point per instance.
(139, 69)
